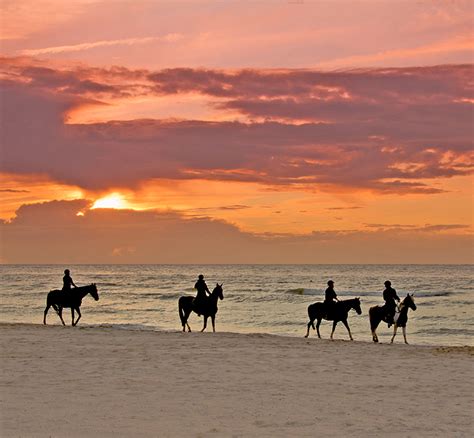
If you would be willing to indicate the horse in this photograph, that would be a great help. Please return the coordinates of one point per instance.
(59, 299)
(208, 308)
(339, 312)
(378, 314)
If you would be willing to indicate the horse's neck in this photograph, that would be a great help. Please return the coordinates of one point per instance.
(82, 291)
(347, 304)
(214, 296)
(403, 308)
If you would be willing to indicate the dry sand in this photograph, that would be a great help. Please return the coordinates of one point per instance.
(99, 382)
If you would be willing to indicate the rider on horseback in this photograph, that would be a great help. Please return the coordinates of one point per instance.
(390, 295)
(330, 299)
(67, 281)
(202, 293)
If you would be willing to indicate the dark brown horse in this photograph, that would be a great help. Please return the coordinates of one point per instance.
(377, 314)
(59, 299)
(207, 309)
(339, 312)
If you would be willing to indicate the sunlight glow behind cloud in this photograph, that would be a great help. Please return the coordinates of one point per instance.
(114, 200)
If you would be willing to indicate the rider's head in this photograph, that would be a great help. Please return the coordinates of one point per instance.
(330, 283)
(201, 277)
(388, 283)
(66, 271)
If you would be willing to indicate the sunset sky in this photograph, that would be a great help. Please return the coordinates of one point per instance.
(236, 131)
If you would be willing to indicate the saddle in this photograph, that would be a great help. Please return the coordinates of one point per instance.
(385, 316)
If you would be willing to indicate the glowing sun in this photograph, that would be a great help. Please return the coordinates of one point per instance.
(114, 200)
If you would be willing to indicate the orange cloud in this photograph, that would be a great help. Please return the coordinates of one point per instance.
(53, 233)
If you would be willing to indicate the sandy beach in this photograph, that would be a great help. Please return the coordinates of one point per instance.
(101, 381)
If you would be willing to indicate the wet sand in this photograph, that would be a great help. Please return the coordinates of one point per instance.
(100, 382)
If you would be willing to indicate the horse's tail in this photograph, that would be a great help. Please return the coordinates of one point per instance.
(182, 315)
(372, 318)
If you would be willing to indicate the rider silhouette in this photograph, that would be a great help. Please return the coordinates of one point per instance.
(67, 281)
(330, 298)
(390, 295)
(201, 296)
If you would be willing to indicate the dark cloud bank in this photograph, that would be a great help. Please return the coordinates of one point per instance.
(53, 233)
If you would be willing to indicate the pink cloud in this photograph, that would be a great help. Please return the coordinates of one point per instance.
(379, 129)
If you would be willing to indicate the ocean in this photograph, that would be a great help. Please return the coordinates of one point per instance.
(257, 298)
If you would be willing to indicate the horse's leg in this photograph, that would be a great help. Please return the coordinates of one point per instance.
(373, 326)
(333, 328)
(404, 330)
(394, 332)
(78, 315)
(348, 329)
(375, 338)
(213, 319)
(187, 314)
(185, 310)
(205, 323)
(60, 314)
(317, 328)
(307, 331)
(72, 316)
(45, 313)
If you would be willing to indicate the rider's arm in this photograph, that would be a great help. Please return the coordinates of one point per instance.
(395, 294)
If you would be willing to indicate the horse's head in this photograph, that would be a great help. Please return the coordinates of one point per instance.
(218, 291)
(93, 292)
(356, 306)
(409, 301)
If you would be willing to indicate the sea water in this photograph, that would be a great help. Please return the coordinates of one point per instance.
(257, 298)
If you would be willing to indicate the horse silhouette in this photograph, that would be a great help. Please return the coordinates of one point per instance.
(339, 312)
(59, 299)
(378, 314)
(208, 308)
